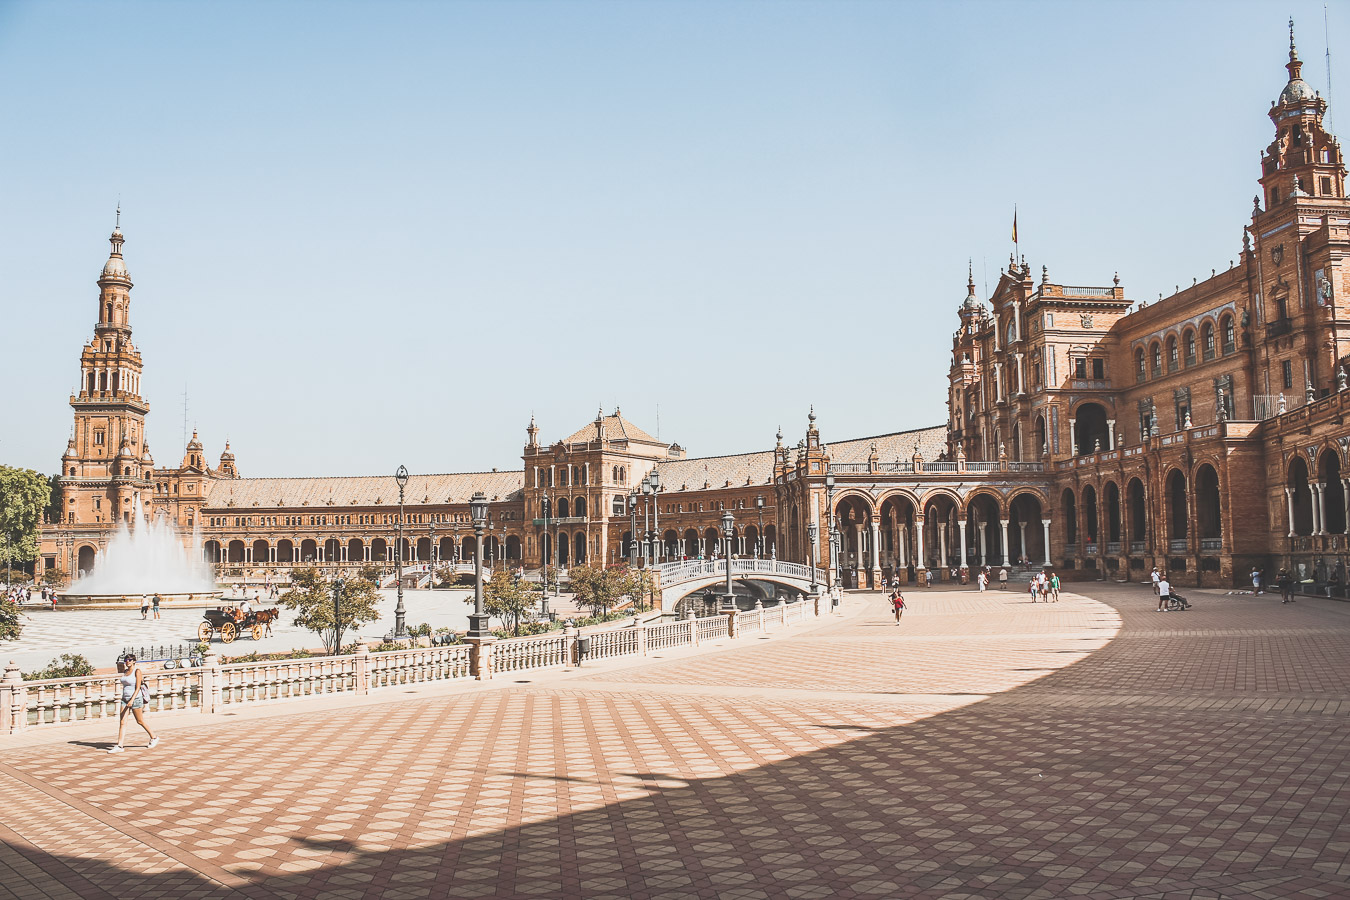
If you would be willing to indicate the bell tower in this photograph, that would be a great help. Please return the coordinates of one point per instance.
(1303, 160)
(106, 459)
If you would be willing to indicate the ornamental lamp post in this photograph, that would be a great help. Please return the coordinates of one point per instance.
(337, 616)
(812, 533)
(655, 479)
(478, 622)
(759, 536)
(647, 519)
(632, 532)
(829, 501)
(544, 549)
(728, 523)
(431, 582)
(400, 614)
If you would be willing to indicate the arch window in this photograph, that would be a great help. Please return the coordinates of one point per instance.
(1173, 361)
(617, 508)
(1207, 339)
(1140, 367)
(1229, 338)
(1188, 340)
(1157, 359)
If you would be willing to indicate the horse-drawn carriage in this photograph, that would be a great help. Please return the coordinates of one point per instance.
(231, 621)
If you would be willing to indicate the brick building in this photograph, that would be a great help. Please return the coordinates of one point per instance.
(1204, 433)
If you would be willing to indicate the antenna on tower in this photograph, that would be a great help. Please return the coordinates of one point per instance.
(117, 226)
(185, 416)
(1326, 32)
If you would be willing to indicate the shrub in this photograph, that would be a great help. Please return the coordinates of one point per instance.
(10, 624)
(66, 666)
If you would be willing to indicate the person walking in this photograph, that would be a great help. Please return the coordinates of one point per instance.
(154, 604)
(145, 606)
(1003, 578)
(1033, 588)
(1156, 578)
(1164, 591)
(1286, 584)
(981, 580)
(135, 699)
(1256, 580)
(898, 605)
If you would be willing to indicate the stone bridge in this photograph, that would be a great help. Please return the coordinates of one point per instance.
(758, 579)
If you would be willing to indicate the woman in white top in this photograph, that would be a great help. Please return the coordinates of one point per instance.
(135, 697)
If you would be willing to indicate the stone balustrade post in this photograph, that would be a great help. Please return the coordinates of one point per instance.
(570, 638)
(759, 611)
(362, 664)
(13, 701)
(480, 657)
(641, 628)
(693, 628)
(211, 686)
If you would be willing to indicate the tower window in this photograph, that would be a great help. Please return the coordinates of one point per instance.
(1207, 334)
(98, 437)
(1274, 196)
(1287, 370)
(1325, 188)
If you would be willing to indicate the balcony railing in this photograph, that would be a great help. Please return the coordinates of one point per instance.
(1089, 549)
(1113, 548)
(1211, 544)
(1279, 327)
(1136, 546)
(1177, 545)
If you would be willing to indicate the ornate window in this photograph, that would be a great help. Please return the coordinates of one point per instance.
(1207, 338)
(1172, 359)
(1157, 359)
(1189, 341)
(1140, 370)
(1229, 342)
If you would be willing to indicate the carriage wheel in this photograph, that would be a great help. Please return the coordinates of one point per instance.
(257, 632)
(228, 632)
(204, 631)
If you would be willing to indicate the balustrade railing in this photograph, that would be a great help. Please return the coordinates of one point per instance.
(1137, 546)
(213, 688)
(673, 573)
(1177, 545)
(1112, 548)
(1211, 543)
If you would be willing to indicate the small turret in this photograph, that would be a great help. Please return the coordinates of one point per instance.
(227, 469)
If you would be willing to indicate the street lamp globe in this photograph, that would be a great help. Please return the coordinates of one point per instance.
(655, 478)
(478, 507)
(812, 532)
(728, 521)
(759, 502)
(401, 476)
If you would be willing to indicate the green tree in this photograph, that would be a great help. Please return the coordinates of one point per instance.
(601, 588)
(24, 494)
(508, 598)
(372, 573)
(11, 620)
(311, 597)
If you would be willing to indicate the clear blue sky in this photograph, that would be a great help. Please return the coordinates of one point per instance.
(372, 234)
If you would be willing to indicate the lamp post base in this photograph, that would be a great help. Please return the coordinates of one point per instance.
(478, 626)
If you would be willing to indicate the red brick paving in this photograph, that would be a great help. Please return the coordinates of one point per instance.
(988, 747)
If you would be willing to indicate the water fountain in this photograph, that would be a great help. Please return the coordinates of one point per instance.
(147, 560)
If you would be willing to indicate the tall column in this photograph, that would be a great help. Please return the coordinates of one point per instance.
(1345, 495)
(963, 543)
(983, 532)
(1021, 388)
(1289, 500)
(1022, 542)
(1321, 508)
(921, 562)
(1045, 528)
(1003, 527)
(876, 546)
(1073, 439)
(942, 544)
(1110, 434)
(902, 541)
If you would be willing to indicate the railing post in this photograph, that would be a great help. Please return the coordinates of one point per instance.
(480, 657)
(641, 635)
(13, 700)
(759, 611)
(693, 628)
(210, 683)
(363, 668)
(570, 637)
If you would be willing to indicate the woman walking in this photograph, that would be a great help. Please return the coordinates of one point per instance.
(898, 603)
(135, 698)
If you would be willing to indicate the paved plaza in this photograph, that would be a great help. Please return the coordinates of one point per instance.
(987, 747)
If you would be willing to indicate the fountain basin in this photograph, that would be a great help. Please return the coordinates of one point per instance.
(194, 600)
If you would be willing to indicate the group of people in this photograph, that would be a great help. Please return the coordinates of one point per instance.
(20, 594)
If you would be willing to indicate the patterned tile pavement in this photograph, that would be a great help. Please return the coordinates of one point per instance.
(986, 747)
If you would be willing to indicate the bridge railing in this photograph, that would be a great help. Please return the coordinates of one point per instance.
(673, 573)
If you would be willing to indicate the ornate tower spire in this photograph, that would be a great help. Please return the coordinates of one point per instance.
(1304, 160)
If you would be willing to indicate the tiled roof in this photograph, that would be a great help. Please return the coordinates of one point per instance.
(361, 490)
(932, 442)
(616, 428)
(716, 471)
